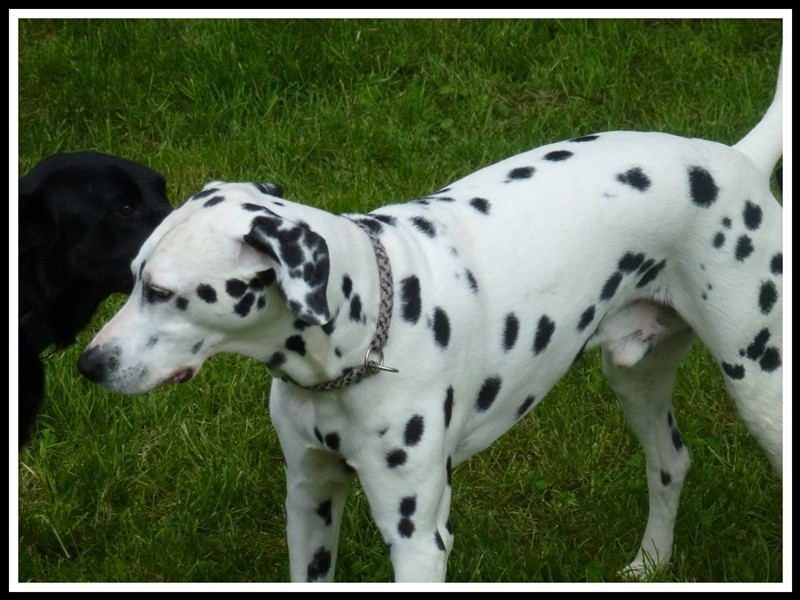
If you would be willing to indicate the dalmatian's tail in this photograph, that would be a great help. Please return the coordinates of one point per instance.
(764, 144)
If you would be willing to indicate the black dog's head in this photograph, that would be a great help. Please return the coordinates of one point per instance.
(82, 218)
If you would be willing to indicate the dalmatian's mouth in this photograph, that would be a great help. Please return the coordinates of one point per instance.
(180, 376)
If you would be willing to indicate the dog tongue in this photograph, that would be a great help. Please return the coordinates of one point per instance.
(181, 376)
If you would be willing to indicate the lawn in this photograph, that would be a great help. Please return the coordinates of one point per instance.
(185, 484)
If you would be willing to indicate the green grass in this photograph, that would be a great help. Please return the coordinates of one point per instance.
(185, 484)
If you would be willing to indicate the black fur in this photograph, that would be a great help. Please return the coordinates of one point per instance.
(82, 218)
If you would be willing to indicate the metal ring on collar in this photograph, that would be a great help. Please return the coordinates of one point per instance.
(373, 366)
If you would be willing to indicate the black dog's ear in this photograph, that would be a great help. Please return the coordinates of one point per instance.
(37, 226)
(301, 262)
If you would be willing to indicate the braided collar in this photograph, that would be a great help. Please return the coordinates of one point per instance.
(373, 359)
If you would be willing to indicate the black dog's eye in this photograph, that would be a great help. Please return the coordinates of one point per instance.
(155, 294)
(126, 211)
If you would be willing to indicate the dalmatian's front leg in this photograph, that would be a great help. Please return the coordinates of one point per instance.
(409, 495)
(317, 483)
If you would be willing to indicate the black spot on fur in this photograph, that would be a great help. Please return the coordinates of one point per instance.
(558, 155)
(646, 265)
(405, 527)
(666, 478)
(424, 226)
(269, 188)
(324, 511)
(544, 331)
(733, 371)
(410, 298)
(585, 138)
(525, 406)
(776, 264)
(320, 565)
(771, 360)
(520, 173)
(630, 262)
(396, 457)
(347, 286)
(676, 438)
(481, 205)
(235, 287)
(635, 178)
(758, 345)
(473, 283)
(297, 344)
(329, 328)
(206, 293)
(510, 332)
(213, 201)
(414, 429)
(651, 274)
(318, 435)
(744, 247)
(702, 187)
(389, 220)
(250, 207)
(181, 303)
(276, 360)
(448, 469)
(719, 240)
(767, 297)
(152, 341)
(752, 216)
(488, 393)
(726, 223)
(256, 283)
(448, 406)
(203, 194)
(197, 346)
(355, 308)
(441, 327)
(586, 317)
(408, 506)
(439, 541)
(610, 286)
(243, 306)
(332, 441)
(267, 277)
(373, 223)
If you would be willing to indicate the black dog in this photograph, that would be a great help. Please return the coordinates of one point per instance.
(82, 218)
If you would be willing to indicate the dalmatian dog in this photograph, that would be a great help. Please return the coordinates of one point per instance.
(403, 341)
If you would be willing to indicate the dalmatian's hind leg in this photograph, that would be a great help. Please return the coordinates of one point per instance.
(643, 377)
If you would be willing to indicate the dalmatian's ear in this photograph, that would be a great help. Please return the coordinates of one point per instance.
(301, 262)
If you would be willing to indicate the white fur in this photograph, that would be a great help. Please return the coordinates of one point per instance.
(620, 242)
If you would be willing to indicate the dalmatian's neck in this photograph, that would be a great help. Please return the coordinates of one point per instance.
(309, 355)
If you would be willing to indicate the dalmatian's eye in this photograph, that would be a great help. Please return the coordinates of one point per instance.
(155, 294)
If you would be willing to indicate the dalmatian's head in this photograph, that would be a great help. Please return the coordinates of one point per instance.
(218, 275)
